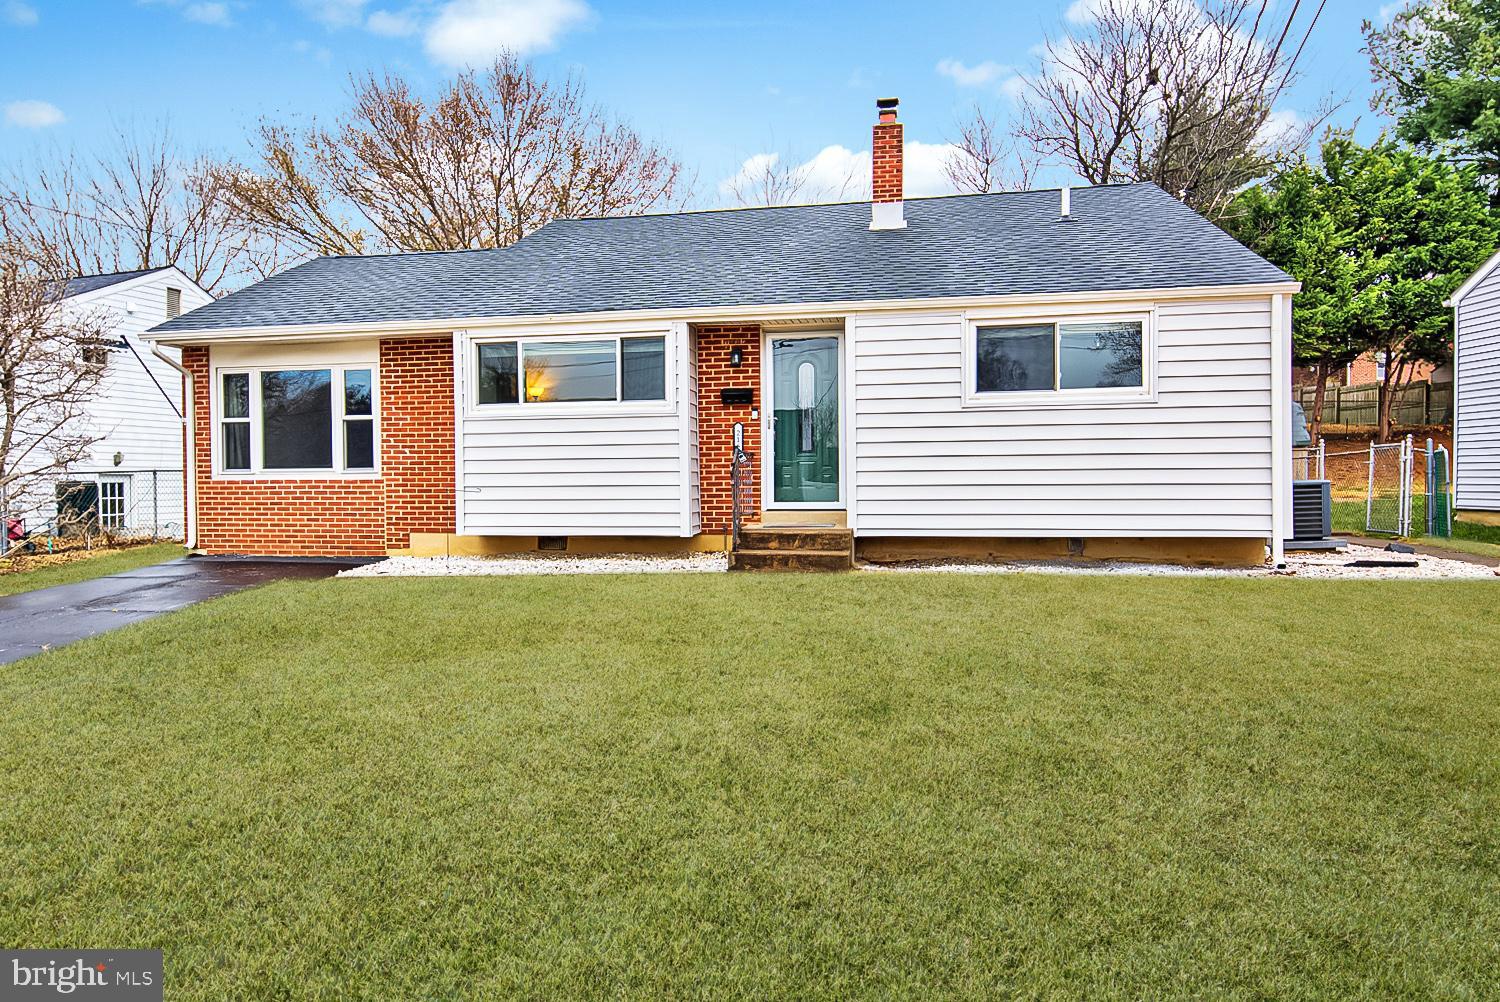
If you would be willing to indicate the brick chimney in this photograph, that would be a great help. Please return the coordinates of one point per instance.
(886, 187)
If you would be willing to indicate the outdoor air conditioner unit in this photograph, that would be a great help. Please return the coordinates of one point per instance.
(1312, 515)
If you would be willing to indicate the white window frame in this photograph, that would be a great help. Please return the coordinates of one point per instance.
(560, 408)
(1056, 397)
(257, 470)
(124, 514)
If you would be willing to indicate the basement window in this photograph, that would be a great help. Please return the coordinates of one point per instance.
(291, 421)
(535, 372)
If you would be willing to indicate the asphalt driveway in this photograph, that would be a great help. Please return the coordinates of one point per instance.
(40, 620)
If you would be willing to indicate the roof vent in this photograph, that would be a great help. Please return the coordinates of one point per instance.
(174, 302)
(1067, 203)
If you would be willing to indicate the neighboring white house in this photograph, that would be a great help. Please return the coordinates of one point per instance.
(1476, 395)
(132, 480)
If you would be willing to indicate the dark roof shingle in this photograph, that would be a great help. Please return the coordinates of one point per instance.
(1119, 237)
(93, 283)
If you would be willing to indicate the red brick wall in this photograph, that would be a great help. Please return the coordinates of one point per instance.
(886, 178)
(338, 517)
(416, 437)
(716, 421)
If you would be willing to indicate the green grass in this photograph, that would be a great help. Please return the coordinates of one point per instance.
(108, 562)
(1476, 532)
(1461, 545)
(718, 786)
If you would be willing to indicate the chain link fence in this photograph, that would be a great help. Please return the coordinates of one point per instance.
(1394, 489)
(93, 509)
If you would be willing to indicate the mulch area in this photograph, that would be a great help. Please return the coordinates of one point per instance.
(65, 552)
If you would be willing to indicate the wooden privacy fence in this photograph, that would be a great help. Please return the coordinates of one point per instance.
(1416, 404)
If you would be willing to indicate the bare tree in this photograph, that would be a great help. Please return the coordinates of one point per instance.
(985, 159)
(494, 157)
(1172, 92)
(46, 375)
(140, 203)
(780, 179)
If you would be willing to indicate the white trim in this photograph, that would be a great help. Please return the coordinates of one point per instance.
(768, 428)
(256, 421)
(522, 410)
(1457, 387)
(189, 447)
(1132, 396)
(846, 444)
(679, 347)
(1472, 281)
(747, 313)
(460, 347)
(1281, 425)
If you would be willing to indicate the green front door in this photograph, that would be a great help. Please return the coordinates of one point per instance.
(805, 420)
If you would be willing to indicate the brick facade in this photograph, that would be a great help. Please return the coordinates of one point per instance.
(716, 421)
(338, 517)
(416, 437)
(886, 156)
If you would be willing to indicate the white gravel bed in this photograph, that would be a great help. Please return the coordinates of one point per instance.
(541, 563)
(1315, 564)
(1311, 564)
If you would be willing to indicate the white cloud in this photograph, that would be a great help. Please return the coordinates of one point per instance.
(1084, 11)
(391, 24)
(1279, 128)
(1013, 87)
(306, 48)
(981, 75)
(837, 173)
(22, 15)
(207, 13)
(33, 114)
(470, 32)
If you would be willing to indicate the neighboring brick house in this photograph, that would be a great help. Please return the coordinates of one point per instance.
(1098, 370)
(1366, 370)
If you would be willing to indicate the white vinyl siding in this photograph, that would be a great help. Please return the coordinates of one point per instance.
(1476, 443)
(133, 413)
(613, 469)
(1195, 461)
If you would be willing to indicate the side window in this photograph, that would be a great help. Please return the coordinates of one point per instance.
(234, 414)
(1058, 358)
(546, 371)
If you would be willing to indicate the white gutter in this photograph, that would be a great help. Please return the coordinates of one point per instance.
(445, 326)
(189, 453)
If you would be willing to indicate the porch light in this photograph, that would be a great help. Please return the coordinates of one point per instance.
(736, 356)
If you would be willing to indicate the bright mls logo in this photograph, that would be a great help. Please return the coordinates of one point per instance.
(97, 975)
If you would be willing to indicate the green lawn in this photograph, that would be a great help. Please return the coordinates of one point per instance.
(719, 786)
(107, 562)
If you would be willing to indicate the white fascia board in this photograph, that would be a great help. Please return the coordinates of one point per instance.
(749, 312)
(1473, 280)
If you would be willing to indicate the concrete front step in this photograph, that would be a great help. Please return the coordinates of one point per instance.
(773, 538)
(791, 560)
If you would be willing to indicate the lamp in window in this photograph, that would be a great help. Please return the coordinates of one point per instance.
(736, 356)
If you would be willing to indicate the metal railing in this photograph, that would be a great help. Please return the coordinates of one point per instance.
(741, 489)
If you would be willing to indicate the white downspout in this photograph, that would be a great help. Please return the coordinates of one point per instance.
(189, 453)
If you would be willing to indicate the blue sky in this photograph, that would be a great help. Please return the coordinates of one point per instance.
(718, 84)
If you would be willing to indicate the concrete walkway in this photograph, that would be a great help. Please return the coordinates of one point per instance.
(40, 620)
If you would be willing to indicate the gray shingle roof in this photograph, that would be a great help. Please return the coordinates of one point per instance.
(1119, 237)
(93, 283)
